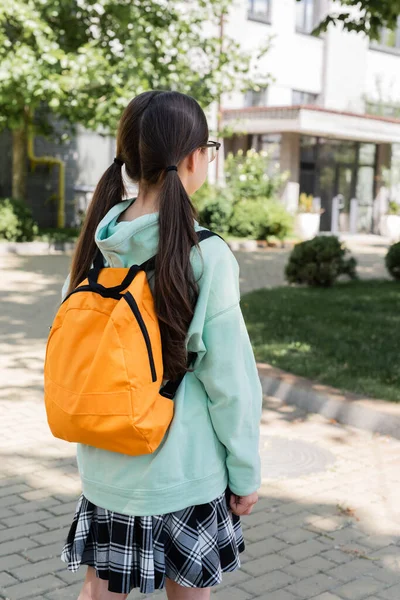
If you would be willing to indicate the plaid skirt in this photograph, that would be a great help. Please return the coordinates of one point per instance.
(193, 546)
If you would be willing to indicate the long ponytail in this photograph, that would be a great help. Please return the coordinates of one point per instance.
(175, 290)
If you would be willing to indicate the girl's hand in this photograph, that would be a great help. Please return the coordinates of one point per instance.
(243, 505)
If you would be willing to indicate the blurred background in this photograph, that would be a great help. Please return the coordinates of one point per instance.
(313, 86)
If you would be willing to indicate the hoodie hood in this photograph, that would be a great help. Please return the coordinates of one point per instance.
(119, 242)
(126, 242)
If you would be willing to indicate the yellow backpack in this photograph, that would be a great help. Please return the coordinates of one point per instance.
(103, 366)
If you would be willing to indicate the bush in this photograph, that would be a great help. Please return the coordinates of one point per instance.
(279, 222)
(260, 219)
(248, 218)
(52, 234)
(214, 206)
(319, 262)
(16, 222)
(392, 261)
(253, 175)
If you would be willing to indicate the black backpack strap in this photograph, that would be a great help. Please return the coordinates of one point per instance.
(203, 234)
(170, 388)
(98, 262)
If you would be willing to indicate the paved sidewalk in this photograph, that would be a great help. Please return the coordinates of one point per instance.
(265, 267)
(327, 526)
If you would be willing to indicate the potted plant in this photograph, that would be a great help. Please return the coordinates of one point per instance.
(391, 222)
(307, 218)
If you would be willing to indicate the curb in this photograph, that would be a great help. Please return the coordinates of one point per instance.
(378, 416)
(40, 248)
(35, 248)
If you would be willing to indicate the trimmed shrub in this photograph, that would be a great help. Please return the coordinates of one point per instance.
(248, 218)
(260, 219)
(319, 262)
(16, 222)
(279, 222)
(392, 261)
(214, 206)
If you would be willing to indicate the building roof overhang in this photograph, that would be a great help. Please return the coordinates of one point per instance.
(312, 120)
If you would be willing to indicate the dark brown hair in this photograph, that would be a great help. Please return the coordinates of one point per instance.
(157, 129)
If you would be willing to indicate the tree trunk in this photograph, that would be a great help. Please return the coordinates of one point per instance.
(19, 163)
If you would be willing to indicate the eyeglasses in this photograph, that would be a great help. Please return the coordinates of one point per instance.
(212, 148)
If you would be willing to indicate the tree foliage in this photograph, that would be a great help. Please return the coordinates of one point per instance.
(367, 16)
(82, 60)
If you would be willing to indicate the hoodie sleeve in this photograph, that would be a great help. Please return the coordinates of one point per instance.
(229, 374)
(65, 287)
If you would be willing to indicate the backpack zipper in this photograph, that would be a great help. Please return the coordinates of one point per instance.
(135, 309)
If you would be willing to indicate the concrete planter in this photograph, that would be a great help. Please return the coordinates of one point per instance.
(307, 225)
(390, 227)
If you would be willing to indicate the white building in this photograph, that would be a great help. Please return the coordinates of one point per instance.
(322, 108)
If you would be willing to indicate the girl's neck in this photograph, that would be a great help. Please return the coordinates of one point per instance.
(146, 202)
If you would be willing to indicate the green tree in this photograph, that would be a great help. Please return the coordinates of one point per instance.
(368, 16)
(82, 60)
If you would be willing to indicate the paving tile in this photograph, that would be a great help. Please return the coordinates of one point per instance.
(41, 552)
(326, 596)
(391, 593)
(361, 588)
(17, 488)
(279, 595)
(51, 536)
(11, 561)
(37, 569)
(311, 586)
(260, 533)
(64, 509)
(70, 592)
(35, 505)
(265, 564)
(14, 533)
(6, 579)
(9, 501)
(33, 587)
(267, 546)
(266, 583)
(309, 566)
(296, 535)
(231, 594)
(19, 545)
(351, 570)
(304, 550)
(35, 516)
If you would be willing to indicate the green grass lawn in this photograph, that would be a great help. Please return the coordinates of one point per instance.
(347, 336)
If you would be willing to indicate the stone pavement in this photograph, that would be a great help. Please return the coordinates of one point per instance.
(327, 526)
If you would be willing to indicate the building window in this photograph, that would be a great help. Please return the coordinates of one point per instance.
(259, 10)
(256, 98)
(382, 110)
(390, 38)
(307, 13)
(299, 97)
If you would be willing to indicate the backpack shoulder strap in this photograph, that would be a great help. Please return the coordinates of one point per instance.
(203, 234)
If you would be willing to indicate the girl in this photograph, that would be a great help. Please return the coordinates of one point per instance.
(171, 518)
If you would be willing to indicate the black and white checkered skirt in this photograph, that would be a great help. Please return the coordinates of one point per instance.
(193, 546)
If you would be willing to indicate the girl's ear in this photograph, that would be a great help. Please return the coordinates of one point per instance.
(192, 160)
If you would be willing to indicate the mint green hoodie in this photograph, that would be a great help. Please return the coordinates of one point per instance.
(214, 436)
